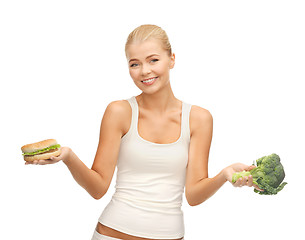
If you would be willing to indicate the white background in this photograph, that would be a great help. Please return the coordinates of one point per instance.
(62, 62)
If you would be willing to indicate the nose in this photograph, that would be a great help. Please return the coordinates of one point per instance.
(146, 70)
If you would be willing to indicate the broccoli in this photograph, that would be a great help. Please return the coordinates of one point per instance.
(268, 175)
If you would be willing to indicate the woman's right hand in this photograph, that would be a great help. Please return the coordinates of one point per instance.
(64, 155)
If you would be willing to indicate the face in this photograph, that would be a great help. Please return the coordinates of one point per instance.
(149, 65)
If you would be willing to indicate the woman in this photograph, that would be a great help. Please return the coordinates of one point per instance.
(158, 143)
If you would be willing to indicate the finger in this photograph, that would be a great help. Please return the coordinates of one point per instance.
(42, 162)
(30, 162)
(250, 168)
(244, 181)
(238, 183)
(250, 181)
(55, 159)
(257, 188)
(46, 161)
(36, 162)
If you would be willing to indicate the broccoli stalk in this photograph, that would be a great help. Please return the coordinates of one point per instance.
(239, 175)
(268, 175)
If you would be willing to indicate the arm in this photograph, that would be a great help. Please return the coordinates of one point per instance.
(87, 178)
(96, 180)
(199, 187)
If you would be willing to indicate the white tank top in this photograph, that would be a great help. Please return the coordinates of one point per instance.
(150, 183)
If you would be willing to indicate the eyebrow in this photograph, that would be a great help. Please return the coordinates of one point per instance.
(152, 55)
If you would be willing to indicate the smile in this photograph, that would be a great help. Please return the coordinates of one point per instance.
(149, 81)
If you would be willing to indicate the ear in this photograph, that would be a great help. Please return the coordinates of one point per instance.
(172, 61)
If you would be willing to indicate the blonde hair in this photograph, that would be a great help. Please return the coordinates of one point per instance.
(149, 31)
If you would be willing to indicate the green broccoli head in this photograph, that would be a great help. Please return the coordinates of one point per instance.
(268, 175)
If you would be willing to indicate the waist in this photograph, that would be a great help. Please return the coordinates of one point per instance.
(156, 223)
(150, 194)
(100, 228)
(149, 205)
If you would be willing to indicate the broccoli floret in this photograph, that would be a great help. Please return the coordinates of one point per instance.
(268, 175)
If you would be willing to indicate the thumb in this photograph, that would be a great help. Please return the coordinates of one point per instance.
(55, 159)
(58, 157)
(250, 167)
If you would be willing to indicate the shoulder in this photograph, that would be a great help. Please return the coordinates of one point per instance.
(118, 107)
(119, 113)
(200, 118)
(201, 114)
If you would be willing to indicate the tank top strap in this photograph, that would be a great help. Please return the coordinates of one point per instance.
(185, 128)
(134, 118)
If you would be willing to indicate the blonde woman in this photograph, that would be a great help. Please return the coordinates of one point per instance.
(160, 146)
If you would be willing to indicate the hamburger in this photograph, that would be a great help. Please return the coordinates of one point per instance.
(41, 150)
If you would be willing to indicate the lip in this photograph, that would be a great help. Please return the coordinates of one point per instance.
(149, 83)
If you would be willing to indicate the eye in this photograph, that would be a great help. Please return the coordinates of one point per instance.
(154, 60)
(134, 65)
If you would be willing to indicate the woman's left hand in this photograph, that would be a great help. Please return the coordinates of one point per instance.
(245, 181)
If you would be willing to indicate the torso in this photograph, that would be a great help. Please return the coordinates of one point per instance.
(160, 129)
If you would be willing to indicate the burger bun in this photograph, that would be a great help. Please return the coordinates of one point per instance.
(33, 147)
(43, 156)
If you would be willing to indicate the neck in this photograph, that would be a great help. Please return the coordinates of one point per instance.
(160, 101)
